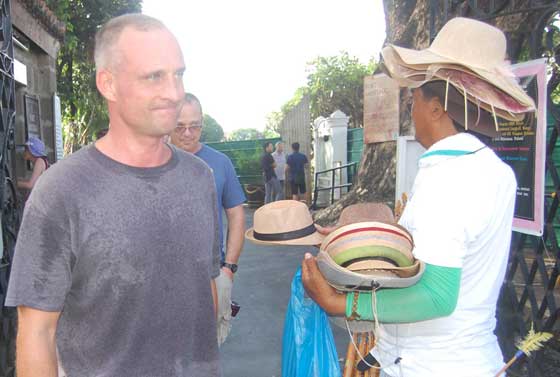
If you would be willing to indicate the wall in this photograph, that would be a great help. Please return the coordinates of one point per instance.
(36, 50)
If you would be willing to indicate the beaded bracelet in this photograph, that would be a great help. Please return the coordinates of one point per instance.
(354, 315)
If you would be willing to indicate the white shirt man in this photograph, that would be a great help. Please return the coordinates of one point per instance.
(280, 169)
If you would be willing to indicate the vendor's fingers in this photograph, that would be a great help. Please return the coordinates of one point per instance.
(309, 267)
(305, 267)
(313, 280)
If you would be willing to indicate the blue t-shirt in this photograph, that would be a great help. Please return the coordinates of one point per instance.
(229, 191)
(296, 161)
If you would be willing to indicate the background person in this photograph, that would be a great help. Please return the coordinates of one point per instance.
(230, 197)
(280, 170)
(271, 184)
(296, 163)
(119, 244)
(34, 152)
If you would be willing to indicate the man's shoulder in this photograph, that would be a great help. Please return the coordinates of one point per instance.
(69, 166)
(190, 161)
(209, 152)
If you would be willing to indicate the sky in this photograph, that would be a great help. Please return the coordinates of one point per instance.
(244, 59)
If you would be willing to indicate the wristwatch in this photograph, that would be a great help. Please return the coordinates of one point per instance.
(231, 266)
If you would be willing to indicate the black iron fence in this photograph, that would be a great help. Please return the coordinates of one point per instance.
(8, 201)
(335, 174)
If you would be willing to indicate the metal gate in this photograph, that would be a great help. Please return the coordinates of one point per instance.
(528, 294)
(9, 211)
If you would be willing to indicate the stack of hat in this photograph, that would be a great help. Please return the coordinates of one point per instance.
(470, 56)
(367, 251)
(367, 255)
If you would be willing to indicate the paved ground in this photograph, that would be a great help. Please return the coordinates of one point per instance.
(262, 288)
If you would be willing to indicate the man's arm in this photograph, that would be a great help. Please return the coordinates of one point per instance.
(36, 343)
(235, 236)
(38, 168)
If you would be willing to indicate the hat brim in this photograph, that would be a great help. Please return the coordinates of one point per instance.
(343, 279)
(310, 240)
(421, 60)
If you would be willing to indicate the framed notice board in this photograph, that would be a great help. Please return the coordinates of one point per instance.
(522, 145)
(32, 116)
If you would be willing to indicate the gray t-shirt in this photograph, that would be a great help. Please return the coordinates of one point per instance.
(127, 254)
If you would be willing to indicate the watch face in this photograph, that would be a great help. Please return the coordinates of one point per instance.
(231, 266)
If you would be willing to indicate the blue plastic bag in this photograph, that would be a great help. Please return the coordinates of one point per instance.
(308, 348)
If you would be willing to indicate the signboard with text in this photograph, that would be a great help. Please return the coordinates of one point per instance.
(522, 145)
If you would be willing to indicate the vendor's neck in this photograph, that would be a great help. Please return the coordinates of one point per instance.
(438, 131)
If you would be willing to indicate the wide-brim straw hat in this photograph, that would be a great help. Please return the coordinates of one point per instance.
(285, 222)
(466, 53)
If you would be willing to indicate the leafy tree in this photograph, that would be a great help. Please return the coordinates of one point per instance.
(83, 109)
(211, 131)
(337, 83)
(334, 83)
(245, 134)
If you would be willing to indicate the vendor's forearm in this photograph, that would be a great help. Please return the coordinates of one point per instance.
(435, 295)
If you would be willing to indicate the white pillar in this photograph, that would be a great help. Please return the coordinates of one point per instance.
(330, 146)
(338, 124)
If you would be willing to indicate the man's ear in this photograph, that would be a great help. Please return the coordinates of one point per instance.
(105, 82)
(436, 108)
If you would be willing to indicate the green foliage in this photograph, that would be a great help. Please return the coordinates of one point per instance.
(83, 109)
(245, 134)
(211, 131)
(334, 83)
(248, 163)
(337, 83)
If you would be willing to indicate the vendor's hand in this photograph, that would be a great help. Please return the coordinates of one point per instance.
(319, 289)
(226, 271)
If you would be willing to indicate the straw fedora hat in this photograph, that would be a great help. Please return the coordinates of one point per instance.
(285, 222)
(468, 55)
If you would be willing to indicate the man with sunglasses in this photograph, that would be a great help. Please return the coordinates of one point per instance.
(230, 197)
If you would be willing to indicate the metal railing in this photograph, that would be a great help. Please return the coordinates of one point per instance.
(333, 187)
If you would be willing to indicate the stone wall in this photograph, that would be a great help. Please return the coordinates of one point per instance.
(36, 50)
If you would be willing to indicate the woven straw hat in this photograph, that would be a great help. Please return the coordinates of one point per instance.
(469, 55)
(285, 222)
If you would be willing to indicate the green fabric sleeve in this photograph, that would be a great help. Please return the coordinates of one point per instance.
(435, 295)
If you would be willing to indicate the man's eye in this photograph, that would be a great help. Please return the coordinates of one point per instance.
(154, 76)
(179, 74)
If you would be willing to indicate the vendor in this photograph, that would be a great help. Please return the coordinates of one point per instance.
(34, 152)
(460, 214)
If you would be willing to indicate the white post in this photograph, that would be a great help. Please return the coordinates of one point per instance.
(338, 124)
(330, 147)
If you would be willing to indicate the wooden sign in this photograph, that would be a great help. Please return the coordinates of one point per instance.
(381, 109)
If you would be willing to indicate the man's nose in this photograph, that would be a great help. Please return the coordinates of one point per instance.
(173, 90)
